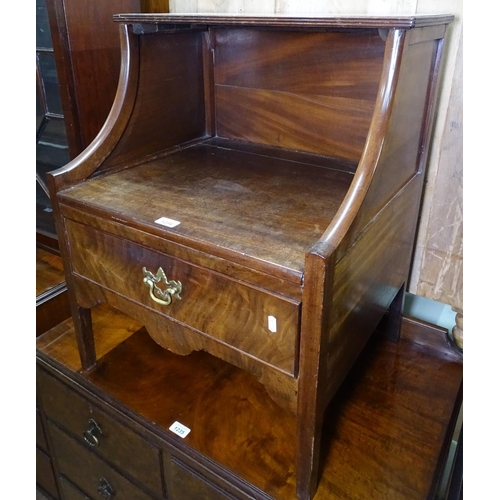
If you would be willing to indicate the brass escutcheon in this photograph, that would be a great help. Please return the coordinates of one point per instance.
(163, 297)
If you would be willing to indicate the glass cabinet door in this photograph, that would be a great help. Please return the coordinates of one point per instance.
(51, 143)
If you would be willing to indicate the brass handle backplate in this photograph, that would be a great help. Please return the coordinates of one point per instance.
(92, 434)
(163, 297)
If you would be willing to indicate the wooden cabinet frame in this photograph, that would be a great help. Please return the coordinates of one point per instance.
(235, 92)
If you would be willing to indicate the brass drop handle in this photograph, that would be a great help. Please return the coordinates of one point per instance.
(105, 489)
(92, 434)
(163, 297)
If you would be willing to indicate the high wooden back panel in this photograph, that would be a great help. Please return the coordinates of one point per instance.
(297, 90)
(171, 69)
(404, 152)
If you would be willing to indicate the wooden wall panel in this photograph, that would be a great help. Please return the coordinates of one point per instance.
(87, 50)
(167, 63)
(437, 263)
(155, 6)
(258, 77)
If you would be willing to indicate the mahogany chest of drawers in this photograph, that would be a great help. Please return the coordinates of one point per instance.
(109, 431)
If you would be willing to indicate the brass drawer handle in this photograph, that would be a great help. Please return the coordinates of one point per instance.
(105, 489)
(174, 288)
(92, 434)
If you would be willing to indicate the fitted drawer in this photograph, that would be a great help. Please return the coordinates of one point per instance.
(88, 472)
(188, 483)
(99, 432)
(187, 479)
(70, 492)
(41, 441)
(45, 478)
(251, 320)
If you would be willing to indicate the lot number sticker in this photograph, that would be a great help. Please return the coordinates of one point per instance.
(179, 429)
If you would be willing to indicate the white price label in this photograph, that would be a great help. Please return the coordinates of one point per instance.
(179, 429)
(165, 221)
(272, 324)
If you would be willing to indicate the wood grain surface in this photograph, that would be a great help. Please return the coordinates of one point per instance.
(114, 442)
(52, 303)
(440, 229)
(182, 340)
(111, 328)
(155, 6)
(382, 433)
(156, 241)
(71, 455)
(358, 280)
(49, 270)
(171, 69)
(346, 238)
(406, 140)
(87, 51)
(347, 19)
(212, 304)
(267, 212)
(286, 90)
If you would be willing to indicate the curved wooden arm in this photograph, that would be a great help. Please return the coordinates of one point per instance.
(91, 158)
(343, 220)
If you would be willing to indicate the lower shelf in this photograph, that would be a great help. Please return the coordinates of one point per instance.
(386, 432)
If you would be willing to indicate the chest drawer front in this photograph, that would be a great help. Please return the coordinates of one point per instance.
(88, 472)
(187, 480)
(70, 492)
(250, 320)
(187, 484)
(41, 442)
(45, 474)
(113, 441)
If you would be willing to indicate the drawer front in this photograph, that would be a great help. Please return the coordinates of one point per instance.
(70, 492)
(186, 481)
(250, 320)
(187, 484)
(45, 478)
(41, 442)
(88, 472)
(99, 432)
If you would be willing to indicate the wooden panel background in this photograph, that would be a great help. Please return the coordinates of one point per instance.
(154, 6)
(87, 51)
(313, 116)
(437, 264)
